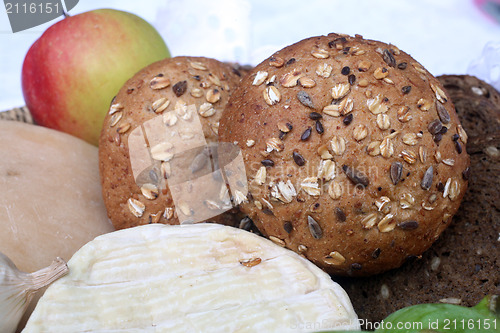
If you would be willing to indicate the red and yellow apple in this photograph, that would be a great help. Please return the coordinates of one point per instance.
(72, 72)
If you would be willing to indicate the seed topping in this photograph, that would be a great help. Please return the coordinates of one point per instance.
(284, 126)
(462, 134)
(410, 139)
(213, 95)
(376, 106)
(267, 162)
(206, 110)
(340, 214)
(115, 118)
(408, 225)
(160, 105)
(307, 82)
(305, 99)
(404, 114)
(458, 147)
(386, 223)
(381, 73)
(334, 258)
(298, 159)
(386, 147)
(162, 151)
(334, 190)
(389, 58)
(306, 134)
(435, 126)
(179, 88)
(276, 62)
(115, 108)
(136, 207)
(326, 170)
(360, 132)
(369, 220)
(340, 90)
(348, 119)
(406, 90)
(324, 70)
(260, 176)
(272, 95)
(364, 65)
(337, 144)
(288, 227)
(396, 172)
(314, 228)
(274, 144)
(355, 176)
(277, 241)
(442, 113)
(123, 128)
(287, 191)
(159, 82)
(440, 95)
(150, 191)
(351, 79)
(424, 104)
(260, 77)
(324, 152)
(311, 186)
(290, 79)
(319, 127)
(320, 53)
(315, 115)
(383, 121)
(427, 178)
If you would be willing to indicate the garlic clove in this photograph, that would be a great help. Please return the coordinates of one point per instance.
(17, 289)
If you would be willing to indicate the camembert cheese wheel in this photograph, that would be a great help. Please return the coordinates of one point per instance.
(191, 278)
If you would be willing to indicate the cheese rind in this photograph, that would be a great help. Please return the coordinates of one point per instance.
(162, 278)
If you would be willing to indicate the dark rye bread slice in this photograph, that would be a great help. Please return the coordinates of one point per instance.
(470, 93)
(463, 265)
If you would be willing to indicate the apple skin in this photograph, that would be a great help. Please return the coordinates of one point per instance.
(72, 72)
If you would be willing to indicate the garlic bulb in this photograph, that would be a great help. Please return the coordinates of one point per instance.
(17, 288)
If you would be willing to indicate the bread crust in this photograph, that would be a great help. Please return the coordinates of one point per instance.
(354, 179)
(462, 265)
(173, 86)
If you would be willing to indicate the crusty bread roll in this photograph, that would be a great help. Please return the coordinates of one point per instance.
(175, 102)
(462, 265)
(354, 153)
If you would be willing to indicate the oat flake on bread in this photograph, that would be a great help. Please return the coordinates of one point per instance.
(161, 117)
(363, 152)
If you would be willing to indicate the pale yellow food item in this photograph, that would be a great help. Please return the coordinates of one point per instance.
(50, 195)
(191, 278)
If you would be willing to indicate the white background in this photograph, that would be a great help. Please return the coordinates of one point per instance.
(446, 36)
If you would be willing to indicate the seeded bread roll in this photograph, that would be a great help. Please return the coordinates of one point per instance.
(461, 267)
(354, 152)
(172, 105)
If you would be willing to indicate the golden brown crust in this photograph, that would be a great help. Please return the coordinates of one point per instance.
(170, 86)
(365, 106)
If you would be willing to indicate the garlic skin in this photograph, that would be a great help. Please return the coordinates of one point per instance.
(17, 289)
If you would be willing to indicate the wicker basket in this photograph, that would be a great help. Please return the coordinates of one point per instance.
(17, 114)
